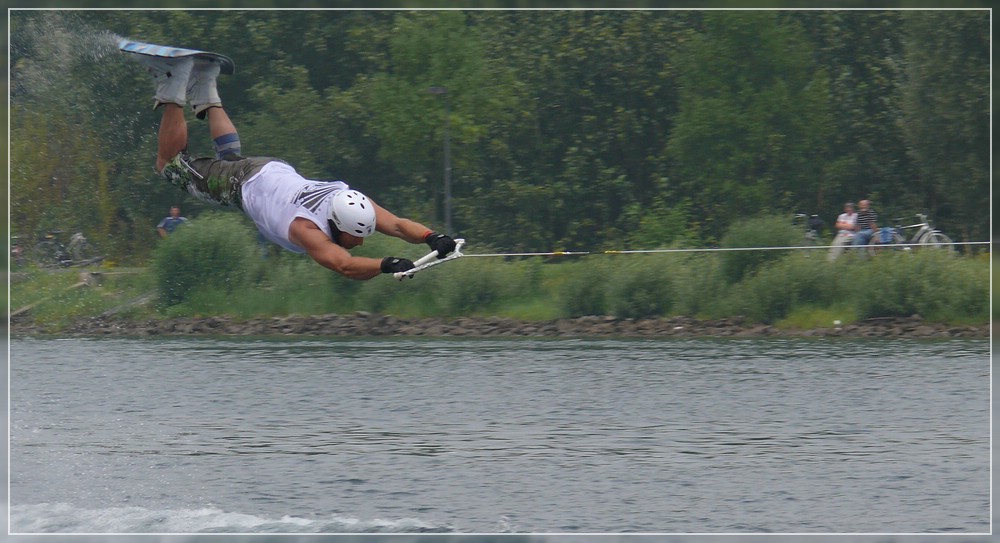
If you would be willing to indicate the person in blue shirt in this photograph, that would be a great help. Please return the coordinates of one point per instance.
(171, 222)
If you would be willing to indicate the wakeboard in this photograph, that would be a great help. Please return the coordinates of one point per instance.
(226, 64)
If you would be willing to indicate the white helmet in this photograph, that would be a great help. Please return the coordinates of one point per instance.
(353, 213)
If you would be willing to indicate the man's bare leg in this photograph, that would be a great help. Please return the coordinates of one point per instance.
(173, 134)
(223, 132)
(219, 123)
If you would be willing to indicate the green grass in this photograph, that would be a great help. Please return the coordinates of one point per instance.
(807, 318)
(533, 310)
(56, 301)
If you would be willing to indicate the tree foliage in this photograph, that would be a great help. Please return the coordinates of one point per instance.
(569, 129)
(945, 117)
(754, 122)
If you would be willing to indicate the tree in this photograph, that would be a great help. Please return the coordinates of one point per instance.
(569, 129)
(754, 123)
(861, 51)
(946, 116)
(72, 166)
(600, 102)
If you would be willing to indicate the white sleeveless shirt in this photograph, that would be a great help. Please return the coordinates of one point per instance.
(277, 195)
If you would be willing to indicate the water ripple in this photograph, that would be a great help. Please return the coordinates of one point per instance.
(500, 436)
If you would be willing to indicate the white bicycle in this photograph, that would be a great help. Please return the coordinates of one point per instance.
(925, 235)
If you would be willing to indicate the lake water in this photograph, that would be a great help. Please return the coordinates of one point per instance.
(185, 436)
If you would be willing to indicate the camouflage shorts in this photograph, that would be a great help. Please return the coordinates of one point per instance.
(214, 180)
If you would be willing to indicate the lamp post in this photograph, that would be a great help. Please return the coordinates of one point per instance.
(443, 91)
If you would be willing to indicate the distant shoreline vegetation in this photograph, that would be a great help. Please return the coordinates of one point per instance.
(217, 267)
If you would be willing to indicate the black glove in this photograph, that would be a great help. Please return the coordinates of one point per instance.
(392, 264)
(441, 243)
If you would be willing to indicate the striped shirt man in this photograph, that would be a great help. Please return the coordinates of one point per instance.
(867, 220)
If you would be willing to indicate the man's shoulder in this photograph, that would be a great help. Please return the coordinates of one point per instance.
(300, 223)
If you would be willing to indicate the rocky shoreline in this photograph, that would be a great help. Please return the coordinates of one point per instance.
(363, 324)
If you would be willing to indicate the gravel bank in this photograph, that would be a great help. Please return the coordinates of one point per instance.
(365, 324)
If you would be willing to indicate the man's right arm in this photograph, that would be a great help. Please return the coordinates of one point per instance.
(328, 254)
(332, 256)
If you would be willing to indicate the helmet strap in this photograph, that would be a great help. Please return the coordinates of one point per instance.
(334, 231)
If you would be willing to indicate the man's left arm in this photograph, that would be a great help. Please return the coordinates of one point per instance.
(389, 224)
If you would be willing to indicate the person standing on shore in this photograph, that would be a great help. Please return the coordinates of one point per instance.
(171, 222)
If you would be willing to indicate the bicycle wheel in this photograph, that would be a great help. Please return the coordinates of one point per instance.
(895, 239)
(46, 254)
(937, 240)
(79, 250)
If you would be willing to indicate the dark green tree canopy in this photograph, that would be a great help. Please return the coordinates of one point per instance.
(569, 129)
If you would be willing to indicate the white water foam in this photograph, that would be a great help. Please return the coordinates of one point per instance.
(62, 63)
(64, 518)
(52, 45)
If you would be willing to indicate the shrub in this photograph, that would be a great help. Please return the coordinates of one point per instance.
(294, 283)
(475, 285)
(640, 288)
(799, 280)
(756, 232)
(217, 251)
(699, 285)
(198, 269)
(466, 287)
(583, 289)
(935, 284)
